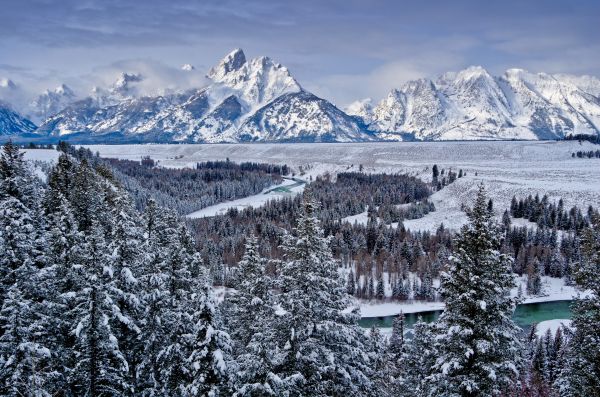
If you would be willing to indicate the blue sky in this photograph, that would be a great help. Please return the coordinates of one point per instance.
(341, 50)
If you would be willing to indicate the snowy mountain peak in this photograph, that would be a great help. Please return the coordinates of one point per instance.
(473, 71)
(230, 63)
(7, 83)
(123, 83)
(65, 90)
(415, 86)
(50, 102)
(254, 83)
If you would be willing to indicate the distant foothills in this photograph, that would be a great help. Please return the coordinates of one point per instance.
(258, 100)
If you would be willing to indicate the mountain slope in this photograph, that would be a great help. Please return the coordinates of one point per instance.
(302, 117)
(12, 123)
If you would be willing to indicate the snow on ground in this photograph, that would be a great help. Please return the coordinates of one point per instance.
(256, 200)
(48, 155)
(35, 156)
(359, 219)
(517, 168)
(552, 325)
(554, 289)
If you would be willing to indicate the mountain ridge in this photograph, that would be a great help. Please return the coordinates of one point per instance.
(259, 100)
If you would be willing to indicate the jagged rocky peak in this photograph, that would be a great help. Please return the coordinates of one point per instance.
(123, 83)
(232, 62)
(50, 102)
(255, 82)
(414, 87)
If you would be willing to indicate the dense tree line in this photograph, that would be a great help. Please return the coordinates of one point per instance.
(583, 137)
(550, 215)
(589, 154)
(371, 250)
(187, 190)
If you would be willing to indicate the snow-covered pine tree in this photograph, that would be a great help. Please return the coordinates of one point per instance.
(126, 256)
(18, 212)
(380, 290)
(101, 367)
(25, 364)
(253, 289)
(415, 363)
(396, 344)
(249, 315)
(325, 347)
(84, 197)
(351, 283)
(155, 300)
(534, 278)
(477, 345)
(380, 358)
(25, 359)
(178, 317)
(210, 345)
(24, 356)
(580, 377)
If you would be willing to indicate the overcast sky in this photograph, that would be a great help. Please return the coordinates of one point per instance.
(341, 50)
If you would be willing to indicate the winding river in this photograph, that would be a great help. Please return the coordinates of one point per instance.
(524, 315)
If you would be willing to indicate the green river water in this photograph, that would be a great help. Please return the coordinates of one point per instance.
(524, 316)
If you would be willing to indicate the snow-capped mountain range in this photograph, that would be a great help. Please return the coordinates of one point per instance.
(259, 100)
(472, 104)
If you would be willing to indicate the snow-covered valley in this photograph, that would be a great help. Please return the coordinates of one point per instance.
(507, 169)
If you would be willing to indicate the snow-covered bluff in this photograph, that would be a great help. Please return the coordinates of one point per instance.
(245, 100)
(472, 104)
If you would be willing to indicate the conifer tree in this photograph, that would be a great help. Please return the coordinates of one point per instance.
(351, 284)
(325, 348)
(19, 228)
(250, 315)
(24, 356)
(126, 256)
(534, 278)
(101, 367)
(397, 338)
(477, 347)
(580, 377)
(417, 359)
(209, 347)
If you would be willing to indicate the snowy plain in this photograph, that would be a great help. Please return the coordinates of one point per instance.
(508, 168)
(552, 325)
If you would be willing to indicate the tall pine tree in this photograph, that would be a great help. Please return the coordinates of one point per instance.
(477, 345)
